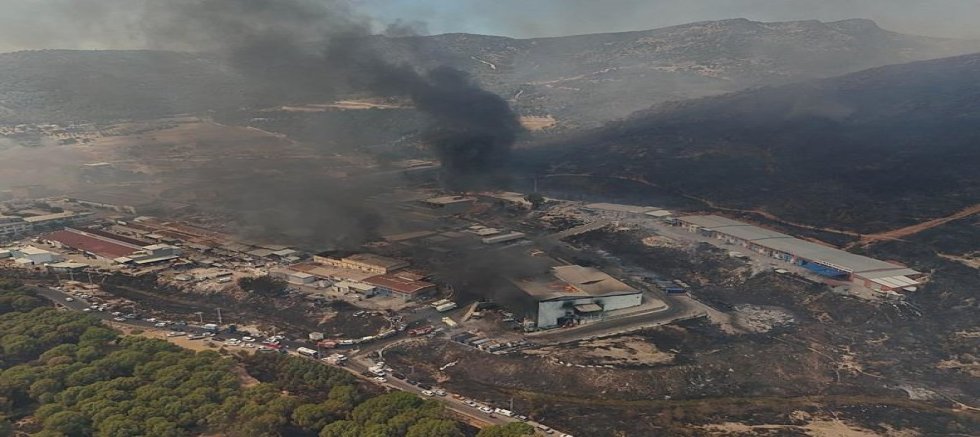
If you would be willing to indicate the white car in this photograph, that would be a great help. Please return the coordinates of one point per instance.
(119, 319)
(69, 299)
(152, 320)
(160, 324)
(487, 410)
(439, 392)
(249, 345)
(380, 379)
(471, 403)
(428, 393)
(86, 310)
(248, 339)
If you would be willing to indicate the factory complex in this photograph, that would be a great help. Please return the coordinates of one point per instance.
(823, 260)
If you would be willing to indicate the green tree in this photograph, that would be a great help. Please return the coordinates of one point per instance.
(431, 427)
(312, 417)
(536, 200)
(513, 429)
(69, 423)
(341, 428)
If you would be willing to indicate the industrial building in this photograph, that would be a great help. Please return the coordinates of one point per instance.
(576, 294)
(450, 204)
(365, 262)
(56, 219)
(404, 285)
(111, 247)
(12, 226)
(30, 255)
(503, 238)
(823, 260)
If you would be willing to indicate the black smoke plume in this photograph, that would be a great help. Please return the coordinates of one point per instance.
(291, 50)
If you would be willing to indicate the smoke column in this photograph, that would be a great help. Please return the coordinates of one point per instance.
(311, 49)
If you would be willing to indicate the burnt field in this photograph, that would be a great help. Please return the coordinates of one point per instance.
(831, 360)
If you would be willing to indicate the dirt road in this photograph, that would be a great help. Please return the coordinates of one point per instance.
(900, 233)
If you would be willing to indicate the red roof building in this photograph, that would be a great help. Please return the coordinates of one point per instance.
(403, 286)
(98, 245)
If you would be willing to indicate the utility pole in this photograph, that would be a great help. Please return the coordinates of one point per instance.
(219, 316)
(200, 316)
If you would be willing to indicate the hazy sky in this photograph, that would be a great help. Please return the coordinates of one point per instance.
(30, 24)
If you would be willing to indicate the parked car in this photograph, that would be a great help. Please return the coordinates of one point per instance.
(428, 393)
(69, 299)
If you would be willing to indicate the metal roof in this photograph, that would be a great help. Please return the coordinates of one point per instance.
(780, 242)
(616, 207)
(574, 282)
(749, 232)
(710, 221)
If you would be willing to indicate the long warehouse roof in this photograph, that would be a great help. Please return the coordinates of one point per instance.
(801, 248)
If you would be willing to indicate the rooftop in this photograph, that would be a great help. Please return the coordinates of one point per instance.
(615, 207)
(50, 217)
(777, 241)
(102, 246)
(574, 282)
(449, 200)
(31, 250)
(375, 260)
(325, 271)
(399, 284)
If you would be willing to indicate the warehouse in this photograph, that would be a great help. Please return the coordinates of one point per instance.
(823, 260)
(31, 255)
(576, 294)
(365, 262)
(404, 285)
(450, 204)
(91, 243)
(12, 226)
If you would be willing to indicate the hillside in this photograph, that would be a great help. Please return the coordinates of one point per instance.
(582, 80)
(875, 149)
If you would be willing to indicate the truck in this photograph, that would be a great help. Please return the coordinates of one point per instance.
(504, 412)
(307, 352)
(446, 307)
(422, 330)
(327, 344)
(449, 322)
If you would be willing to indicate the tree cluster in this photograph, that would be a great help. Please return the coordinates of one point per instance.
(76, 377)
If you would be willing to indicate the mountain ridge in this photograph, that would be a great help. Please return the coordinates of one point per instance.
(582, 80)
(885, 145)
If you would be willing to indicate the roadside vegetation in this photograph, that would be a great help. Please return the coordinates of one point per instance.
(65, 374)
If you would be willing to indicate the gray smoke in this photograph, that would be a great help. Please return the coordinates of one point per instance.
(291, 50)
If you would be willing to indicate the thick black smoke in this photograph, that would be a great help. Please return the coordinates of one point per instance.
(293, 50)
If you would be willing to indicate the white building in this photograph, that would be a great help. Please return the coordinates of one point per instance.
(577, 294)
(35, 256)
(12, 226)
